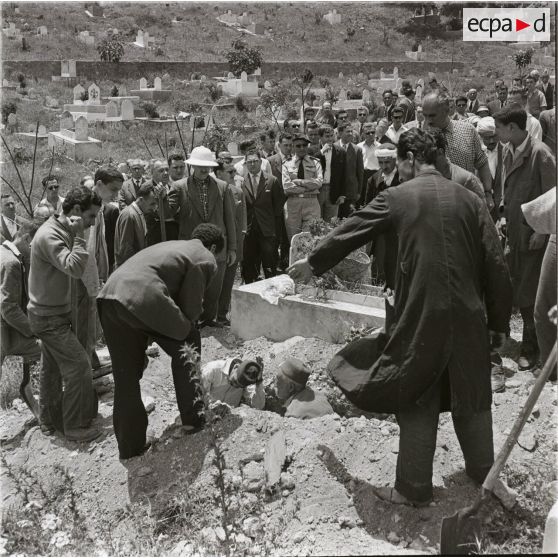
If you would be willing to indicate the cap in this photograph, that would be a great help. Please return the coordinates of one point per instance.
(483, 108)
(247, 373)
(303, 137)
(398, 110)
(295, 370)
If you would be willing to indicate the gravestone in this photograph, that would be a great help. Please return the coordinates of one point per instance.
(203, 78)
(244, 76)
(360, 75)
(42, 30)
(193, 77)
(66, 120)
(398, 84)
(12, 120)
(68, 68)
(127, 110)
(333, 18)
(258, 72)
(157, 84)
(343, 95)
(143, 83)
(301, 245)
(81, 129)
(395, 73)
(267, 85)
(42, 130)
(232, 148)
(230, 75)
(141, 38)
(78, 92)
(366, 96)
(341, 76)
(111, 109)
(419, 48)
(350, 82)
(94, 95)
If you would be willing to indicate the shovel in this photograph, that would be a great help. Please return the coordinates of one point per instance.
(460, 531)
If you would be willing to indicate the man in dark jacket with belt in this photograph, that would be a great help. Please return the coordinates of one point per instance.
(452, 298)
(158, 293)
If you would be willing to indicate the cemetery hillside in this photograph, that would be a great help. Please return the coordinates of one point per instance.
(97, 89)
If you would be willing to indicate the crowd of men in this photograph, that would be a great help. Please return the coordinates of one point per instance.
(154, 249)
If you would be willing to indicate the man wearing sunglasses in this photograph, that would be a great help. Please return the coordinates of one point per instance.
(52, 199)
(130, 187)
(461, 109)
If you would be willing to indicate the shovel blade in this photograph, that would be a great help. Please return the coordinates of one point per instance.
(459, 535)
(26, 394)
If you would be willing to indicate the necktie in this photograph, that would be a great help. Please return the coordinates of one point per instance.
(253, 185)
(300, 172)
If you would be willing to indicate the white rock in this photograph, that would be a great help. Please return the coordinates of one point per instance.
(148, 403)
(183, 548)
(298, 537)
(393, 537)
(251, 526)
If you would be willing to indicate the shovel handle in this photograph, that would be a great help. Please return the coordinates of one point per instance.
(520, 421)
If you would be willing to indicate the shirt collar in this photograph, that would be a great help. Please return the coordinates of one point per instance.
(515, 151)
(391, 174)
(12, 248)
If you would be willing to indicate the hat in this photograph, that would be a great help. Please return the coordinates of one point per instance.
(245, 376)
(387, 150)
(486, 125)
(202, 157)
(224, 156)
(398, 110)
(302, 137)
(295, 371)
(483, 108)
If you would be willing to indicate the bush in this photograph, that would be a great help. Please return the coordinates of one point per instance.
(241, 58)
(150, 109)
(8, 107)
(240, 104)
(114, 91)
(111, 50)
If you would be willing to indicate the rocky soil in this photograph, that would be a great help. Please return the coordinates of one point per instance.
(166, 502)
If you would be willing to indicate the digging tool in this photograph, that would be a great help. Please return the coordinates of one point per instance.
(162, 218)
(25, 391)
(459, 531)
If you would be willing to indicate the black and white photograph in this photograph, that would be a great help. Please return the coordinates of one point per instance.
(278, 278)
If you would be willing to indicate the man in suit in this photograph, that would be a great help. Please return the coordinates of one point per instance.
(486, 128)
(130, 187)
(332, 158)
(157, 294)
(276, 162)
(264, 211)
(547, 88)
(384, 111)
(529, 171)
(547, 120)
(246, 147)
(10, 222)
(536, 100)
(161, 182)
(363, 116)
(472, 101)
(131, 226)
(369, 159)
(204, 199)
(313, 133)
(267, 143)
(407, 101)
(500, 102)
(325, 115)
(17, 338)
(354, 170)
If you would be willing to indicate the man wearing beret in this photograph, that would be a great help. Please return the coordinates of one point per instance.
(301, 401)
(234, 381)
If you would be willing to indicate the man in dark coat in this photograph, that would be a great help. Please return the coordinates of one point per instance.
(529, 171)
(264, 211)
(452, 289)
(158, 294)
(332, 158)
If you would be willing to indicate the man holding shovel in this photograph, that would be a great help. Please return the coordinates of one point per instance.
(453, 299)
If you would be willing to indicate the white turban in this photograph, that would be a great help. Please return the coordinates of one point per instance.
(486, 125)
(386, 151)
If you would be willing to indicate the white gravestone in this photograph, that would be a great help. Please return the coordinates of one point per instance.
(342, 95)
(203, 78)
(127, 110)
(341, 76)
(157, 84)
(66, 120)
(230, 75)
(244, 76)
(258, 72)
(42, 130)
(267, 85)
(78, 92)
(232, 148)
(94, 94)
(366, 96)
(395, 73)
(82, 131)
(111, 109)
(143, 83)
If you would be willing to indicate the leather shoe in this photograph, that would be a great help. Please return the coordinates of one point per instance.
(526, 363)
(390, 494)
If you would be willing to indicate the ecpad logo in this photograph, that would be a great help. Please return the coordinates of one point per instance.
(506, 24)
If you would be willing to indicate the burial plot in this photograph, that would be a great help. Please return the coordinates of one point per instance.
(77, 144)
(155, 93)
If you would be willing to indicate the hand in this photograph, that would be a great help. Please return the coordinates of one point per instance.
(340, 200)
(497, 340)
(76, 223)
(231, 257)
(536, 242)
(489, 201)
(300, 271)
(159, 190)
(298, 181)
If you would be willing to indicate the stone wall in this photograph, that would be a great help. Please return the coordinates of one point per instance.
(94, 70)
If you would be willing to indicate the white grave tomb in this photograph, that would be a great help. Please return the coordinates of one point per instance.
(155, 93)
(333, 18)
(242, 86)
(78, 145)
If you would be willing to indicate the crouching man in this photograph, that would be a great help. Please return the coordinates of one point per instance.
(158, 293)
(233, 382)
(301, 401)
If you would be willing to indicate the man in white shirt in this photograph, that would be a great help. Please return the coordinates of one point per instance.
(519, 97)
(369, 158)
(247, 147)
(52, 199)
(396, 128)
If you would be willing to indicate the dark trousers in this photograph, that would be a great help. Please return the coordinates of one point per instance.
(546, 299)
(213, 293)
(226, 291)
(127, 338)
(154, 231)
(417, 444)
(529, 344)
(284, 244)
(258, 249)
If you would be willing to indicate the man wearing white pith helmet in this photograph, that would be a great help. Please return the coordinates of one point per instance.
(205, 199)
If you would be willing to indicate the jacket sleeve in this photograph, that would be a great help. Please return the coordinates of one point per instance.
(230, 219)
(173, 199)
(362, 227)
(360, 171)
(124, 238)
(497, 287)
(121, 197)
(71, 261)
(547, 169)
(278, 198)
(10, 305)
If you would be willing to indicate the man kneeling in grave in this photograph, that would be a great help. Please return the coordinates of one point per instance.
(300, 401)
(234, 381)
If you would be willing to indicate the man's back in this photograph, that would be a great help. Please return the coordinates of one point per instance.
(162, 284)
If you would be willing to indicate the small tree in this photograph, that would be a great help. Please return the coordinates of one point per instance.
(241, 58)
(111, 50)
(114, 91)
(522, 60)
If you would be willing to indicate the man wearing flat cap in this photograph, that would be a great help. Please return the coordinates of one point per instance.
(234, 381)
(301, 401)
(302, 180)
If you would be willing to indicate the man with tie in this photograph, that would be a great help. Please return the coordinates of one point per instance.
(131, 226)
(205, 199)
(302, 181)
(264, 210)
(161, 184)
(354, 170)
(17, 338)
(500, 102)
(128, 193)
(384, 111)
(332, 159)
(472, 101)
(486, 128)
(547, 88)
(9, 220)
(362, 119)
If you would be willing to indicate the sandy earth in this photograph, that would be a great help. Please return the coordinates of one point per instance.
(325, 504)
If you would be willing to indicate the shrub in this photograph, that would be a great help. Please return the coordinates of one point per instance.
(114, 91)
(111, 50)
(8, 107)
(240, 104)
(84, 96)
(150, 109)
(241, 58)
